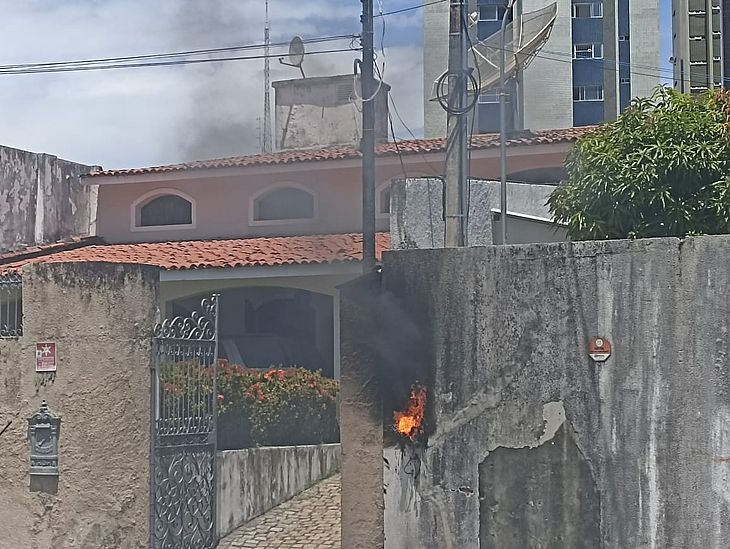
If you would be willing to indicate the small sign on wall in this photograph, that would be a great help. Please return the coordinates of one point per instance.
(45, 357)
(599, 349)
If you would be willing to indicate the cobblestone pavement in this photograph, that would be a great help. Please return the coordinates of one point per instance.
(310, 520)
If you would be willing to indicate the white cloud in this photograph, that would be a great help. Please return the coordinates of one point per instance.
(140, 117)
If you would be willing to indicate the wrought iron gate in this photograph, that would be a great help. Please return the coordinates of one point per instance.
(184, 417)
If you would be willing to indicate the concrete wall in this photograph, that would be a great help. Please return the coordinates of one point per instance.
(525, 229)
(41, 199)
(547, 84)
(644, 46)
(417, 210)
(100, 317)
(435, 62)
(252, 481)
(324, 112)
(632, 452)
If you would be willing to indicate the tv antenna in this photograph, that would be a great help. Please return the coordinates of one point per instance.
(296, 54)
(523, 39)
(523, 42)
(266, 145)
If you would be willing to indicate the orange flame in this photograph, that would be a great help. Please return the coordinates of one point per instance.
(409, 422)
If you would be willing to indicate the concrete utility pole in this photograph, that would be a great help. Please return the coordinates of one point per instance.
(457, 169)
(367, 143)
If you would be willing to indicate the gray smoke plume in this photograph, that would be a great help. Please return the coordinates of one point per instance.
(226, 99)
(223, 101)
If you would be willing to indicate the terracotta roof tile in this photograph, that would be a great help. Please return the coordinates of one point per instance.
(206, 254)
(45, 249)
(414, 146)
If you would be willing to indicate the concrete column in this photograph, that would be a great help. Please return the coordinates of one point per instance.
(435, 57)
(547, 84)
(336, 333)
(361, 419)
(644, 46)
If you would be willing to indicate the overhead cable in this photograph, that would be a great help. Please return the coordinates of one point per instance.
(165, 59)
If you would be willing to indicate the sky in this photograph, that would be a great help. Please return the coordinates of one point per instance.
(151, 116)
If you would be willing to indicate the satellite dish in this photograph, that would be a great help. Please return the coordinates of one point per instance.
(522, 44)
(296, 54)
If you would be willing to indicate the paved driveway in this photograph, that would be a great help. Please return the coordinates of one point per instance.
(310, 520)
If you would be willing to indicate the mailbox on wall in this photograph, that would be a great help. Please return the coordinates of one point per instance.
(44, 429)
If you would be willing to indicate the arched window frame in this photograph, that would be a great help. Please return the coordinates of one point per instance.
(151, 195)
(378, 203)
(277, 186)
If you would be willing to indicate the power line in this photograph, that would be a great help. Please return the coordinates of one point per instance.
(165, 59)
(166, 63)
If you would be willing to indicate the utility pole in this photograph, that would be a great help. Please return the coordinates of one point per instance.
(266, 141)
(457, 169)
(503, 94)
(367, 143)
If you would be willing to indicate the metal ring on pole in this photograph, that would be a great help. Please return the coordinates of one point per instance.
(443, 97)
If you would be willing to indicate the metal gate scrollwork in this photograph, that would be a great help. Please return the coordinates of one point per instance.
(184, 420)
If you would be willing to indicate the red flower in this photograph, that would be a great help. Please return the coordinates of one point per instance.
(221, 398)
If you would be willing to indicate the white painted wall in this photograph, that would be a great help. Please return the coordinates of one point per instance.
(644, 45)
(435, 61)
(547, 84)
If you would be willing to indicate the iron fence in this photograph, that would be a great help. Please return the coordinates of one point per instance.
(11, 306)
(184, 417)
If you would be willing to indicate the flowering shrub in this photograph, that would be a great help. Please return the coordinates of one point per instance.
(292, 406)
(279, 406)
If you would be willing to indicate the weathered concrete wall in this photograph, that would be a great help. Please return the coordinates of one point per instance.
(100, 316)
(417, 220)
(252, 481)
(629, 453)
(324, 112)
(42, 200)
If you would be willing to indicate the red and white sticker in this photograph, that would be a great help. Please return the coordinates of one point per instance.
(45, 357)
(599, 349)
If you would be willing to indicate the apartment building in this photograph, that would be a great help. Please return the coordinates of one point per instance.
(587, 72)
(700, 52)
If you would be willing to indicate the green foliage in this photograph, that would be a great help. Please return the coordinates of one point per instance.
(292, 406)
(661, 169)
(279, 406)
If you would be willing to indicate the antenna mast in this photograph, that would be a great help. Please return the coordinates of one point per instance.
(266, 141)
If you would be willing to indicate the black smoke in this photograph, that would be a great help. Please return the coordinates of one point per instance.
(387, 339)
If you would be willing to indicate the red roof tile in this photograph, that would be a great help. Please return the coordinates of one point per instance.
(45, 249)
(414, 146)
(206, 254)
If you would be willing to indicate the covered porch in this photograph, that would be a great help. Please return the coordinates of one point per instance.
(268, 316)
(279, 303)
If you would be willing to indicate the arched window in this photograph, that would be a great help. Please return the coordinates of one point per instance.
(163, 208)
(284, 203)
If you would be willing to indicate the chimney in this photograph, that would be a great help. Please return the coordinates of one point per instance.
(324, 112)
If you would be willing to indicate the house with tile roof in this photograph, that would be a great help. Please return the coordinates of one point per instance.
(274, 234)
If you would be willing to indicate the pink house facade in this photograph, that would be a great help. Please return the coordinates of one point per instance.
(274, 234)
